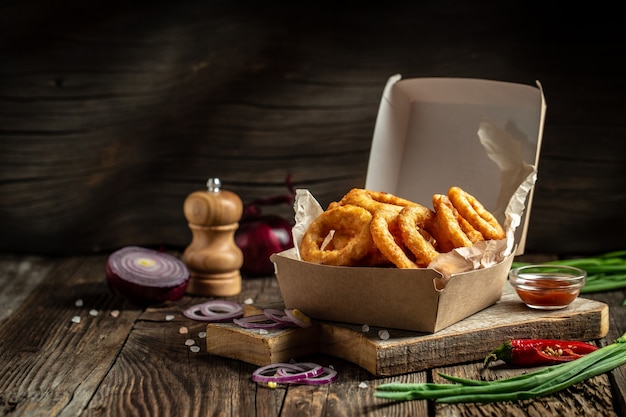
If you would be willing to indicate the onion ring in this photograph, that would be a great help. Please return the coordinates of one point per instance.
(349, 220)
(411, 220)
(376, 201)
(279, 316)
(258, 321)
(472, 234)
(298, 317)
(474, 212)
(326, 376)
(281, 373)
(446, 228)
(214, 311)
(386, 242)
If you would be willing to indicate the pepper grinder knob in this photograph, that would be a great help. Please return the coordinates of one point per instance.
(213, 259)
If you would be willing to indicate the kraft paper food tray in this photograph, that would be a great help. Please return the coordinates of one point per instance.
(386, 297)
(430, 134)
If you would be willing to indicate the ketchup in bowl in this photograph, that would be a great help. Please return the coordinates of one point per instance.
(547, 287)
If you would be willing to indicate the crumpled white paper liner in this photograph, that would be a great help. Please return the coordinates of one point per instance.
(516, 180)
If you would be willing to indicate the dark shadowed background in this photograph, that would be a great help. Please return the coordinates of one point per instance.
(111, 114)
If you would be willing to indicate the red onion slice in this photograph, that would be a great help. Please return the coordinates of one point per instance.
(258, 321)
(298, 317)
(214, 311)
(147, 276)
(278, 316)
(290, 373)
(327, 376)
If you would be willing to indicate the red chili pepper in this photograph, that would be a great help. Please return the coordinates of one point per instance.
(535, 352)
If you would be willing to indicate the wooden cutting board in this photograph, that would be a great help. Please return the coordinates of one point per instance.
(468, 340)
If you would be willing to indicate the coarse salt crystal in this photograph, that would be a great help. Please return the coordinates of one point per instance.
(365, 328)
(248, 301)
(78, 303)
(169, 317)
(362, 385)
(194, 349)
(383, 334)
(93, 312)
(190, 342)
(76, 319)
(202, 335)
(115, 313)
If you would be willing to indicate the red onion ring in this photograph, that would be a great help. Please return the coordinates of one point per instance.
(214, 311)
(146, 276)
(278, 316)
(327, 376)
(292, 373)
(258, 321)
(298, 317)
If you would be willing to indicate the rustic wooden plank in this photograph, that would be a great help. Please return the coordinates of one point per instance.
(469, 340)
(50, 364)
(19, 275)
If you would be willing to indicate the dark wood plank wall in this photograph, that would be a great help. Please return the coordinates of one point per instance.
(111, 114)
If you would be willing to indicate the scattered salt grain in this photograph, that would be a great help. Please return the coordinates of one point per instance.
(263, 331)
(78, 303)
(183, 330)
(76, 319)
(362, 385)
(190, 342)
(194, 349)
(383, 334)
(93, 312)
(365, 328)
(202, 335)
(169, 317)
(248, 301)
(115, 313)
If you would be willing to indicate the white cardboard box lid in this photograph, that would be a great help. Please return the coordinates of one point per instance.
(426, 139)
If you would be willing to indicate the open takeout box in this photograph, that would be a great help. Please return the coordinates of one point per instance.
(431, 134)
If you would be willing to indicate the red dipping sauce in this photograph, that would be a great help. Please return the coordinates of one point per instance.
(550, 293)
(547, 287)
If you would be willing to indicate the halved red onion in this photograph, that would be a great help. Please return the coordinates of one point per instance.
(214, 311)
(258, 321)
(146, 276)
(290, 373)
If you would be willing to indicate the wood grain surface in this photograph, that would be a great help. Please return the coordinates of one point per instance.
(138, 363)
(470, 339)
(111, 114)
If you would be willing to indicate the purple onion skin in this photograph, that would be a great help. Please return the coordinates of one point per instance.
(258, 239)
(144, 295)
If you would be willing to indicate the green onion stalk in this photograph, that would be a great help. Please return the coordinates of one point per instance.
(606, 272)
(539, 383)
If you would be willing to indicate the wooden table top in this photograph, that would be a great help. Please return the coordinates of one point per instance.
(137, 363)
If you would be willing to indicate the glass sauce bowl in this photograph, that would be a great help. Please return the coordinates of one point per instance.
(547, 287)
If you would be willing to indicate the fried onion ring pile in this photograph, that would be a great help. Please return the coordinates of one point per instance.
(371, 228)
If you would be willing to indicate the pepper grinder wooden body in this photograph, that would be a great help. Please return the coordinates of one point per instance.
(213, 258)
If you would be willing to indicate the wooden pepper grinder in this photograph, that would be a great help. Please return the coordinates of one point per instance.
(213, 258)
